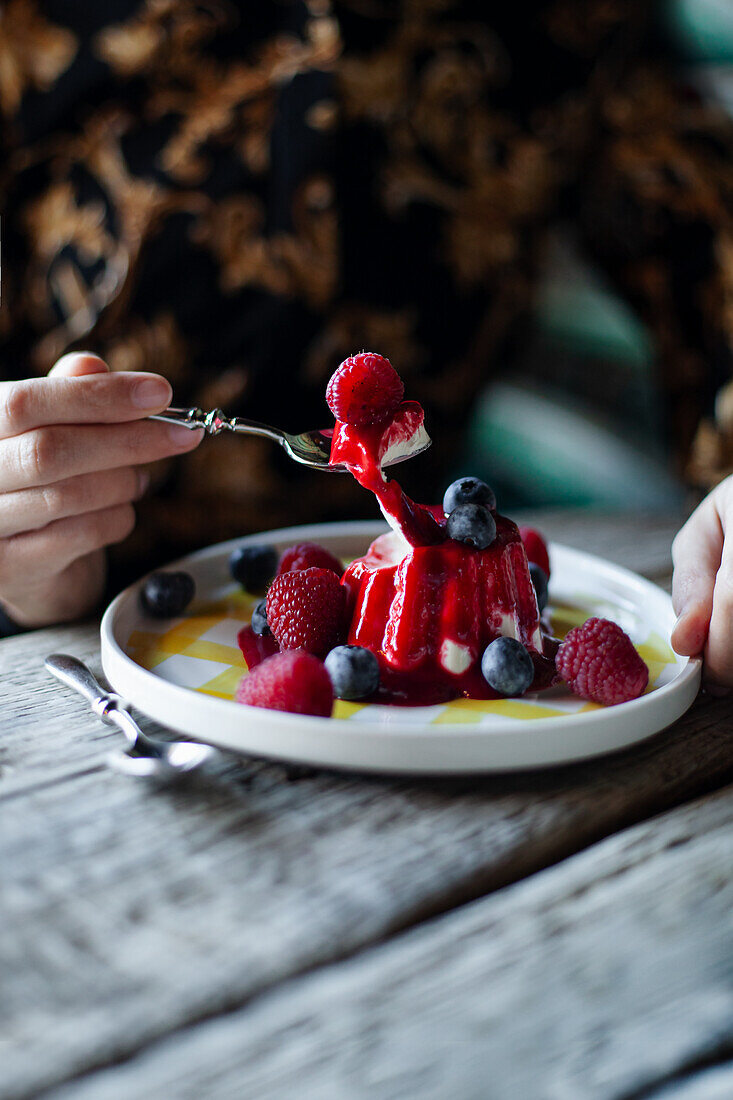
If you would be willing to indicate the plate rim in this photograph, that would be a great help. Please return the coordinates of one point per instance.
(123, 672)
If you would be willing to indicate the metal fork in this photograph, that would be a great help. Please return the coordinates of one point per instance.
(309, 448)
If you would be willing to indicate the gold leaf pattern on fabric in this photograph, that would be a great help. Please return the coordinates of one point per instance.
(214, 97)
(137, 200)
(447, 148)
(55, 219)
(156, 345)
(303, 263)
(162, 38)
(356, 326)
(33, 52)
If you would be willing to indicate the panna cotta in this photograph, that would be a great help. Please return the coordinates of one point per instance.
(425, 604)
(428, 613)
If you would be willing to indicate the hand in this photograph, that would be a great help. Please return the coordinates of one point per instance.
(70, 450)
(702, 587)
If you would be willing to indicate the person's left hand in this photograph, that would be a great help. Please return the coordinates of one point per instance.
(702, 587)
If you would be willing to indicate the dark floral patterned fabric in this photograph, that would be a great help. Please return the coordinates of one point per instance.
(237, 196)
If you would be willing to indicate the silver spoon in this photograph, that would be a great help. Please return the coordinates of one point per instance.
(309, 448)
(145, 756)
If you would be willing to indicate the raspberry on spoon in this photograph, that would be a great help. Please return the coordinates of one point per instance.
(364, 390)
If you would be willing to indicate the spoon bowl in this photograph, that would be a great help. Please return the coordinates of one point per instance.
(177, 758)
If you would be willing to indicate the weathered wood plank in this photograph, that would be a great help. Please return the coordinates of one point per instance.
(36, 716)
(712, 1083)
(600, 977)
(127, 912)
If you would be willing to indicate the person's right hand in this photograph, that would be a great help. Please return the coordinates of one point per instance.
(70, 450)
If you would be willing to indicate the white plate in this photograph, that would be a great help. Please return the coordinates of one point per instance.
(183, 673)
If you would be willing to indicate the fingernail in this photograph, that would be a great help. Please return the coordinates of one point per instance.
(184, 437)
(675, 632)
(150, 394)
(143, 480)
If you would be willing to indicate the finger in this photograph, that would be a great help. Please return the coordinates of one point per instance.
(29, 556)
(718, 654)
(31, 509)
(99, 398)
(75, 364)
(696, 552)
(47, 455)
(60, 597)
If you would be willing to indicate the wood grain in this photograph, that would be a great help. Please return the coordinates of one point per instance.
(709, 1083)
(599, 978)
(129, 911)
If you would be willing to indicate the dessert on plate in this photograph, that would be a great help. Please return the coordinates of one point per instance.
(445, 604)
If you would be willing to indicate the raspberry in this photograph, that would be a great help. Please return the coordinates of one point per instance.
(307, 554)
(306, 610)
(364, 390)
(295, 681)
(536, 548)
(599, 662)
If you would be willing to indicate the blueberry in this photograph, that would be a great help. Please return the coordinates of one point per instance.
(468, 490)
(165, 595)
(259, 621)
(253, 566)
(539, 580)
(354, 671)
(472, 524)
(507, 666)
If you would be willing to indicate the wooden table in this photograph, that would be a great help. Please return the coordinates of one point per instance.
(272, 931)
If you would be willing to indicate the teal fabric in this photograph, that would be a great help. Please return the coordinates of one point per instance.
(702, 29)
(578, 421)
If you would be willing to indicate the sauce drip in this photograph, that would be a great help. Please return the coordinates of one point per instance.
(362, 450)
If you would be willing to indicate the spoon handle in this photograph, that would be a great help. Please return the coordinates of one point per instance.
(105, 704)
(75, 674)
(215, 421)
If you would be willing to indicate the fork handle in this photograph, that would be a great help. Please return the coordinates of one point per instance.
(216, 421)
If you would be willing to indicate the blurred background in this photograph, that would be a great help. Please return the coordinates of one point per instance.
(585, 425)
(527, 208)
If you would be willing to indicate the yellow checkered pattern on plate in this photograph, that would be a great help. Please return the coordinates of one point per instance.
(200, 652)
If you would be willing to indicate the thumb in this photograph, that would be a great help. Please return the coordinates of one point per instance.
(696, 551)
(76, 364)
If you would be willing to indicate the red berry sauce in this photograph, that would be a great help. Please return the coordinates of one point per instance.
(256, 648)
(362, 450)
(426, 605)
